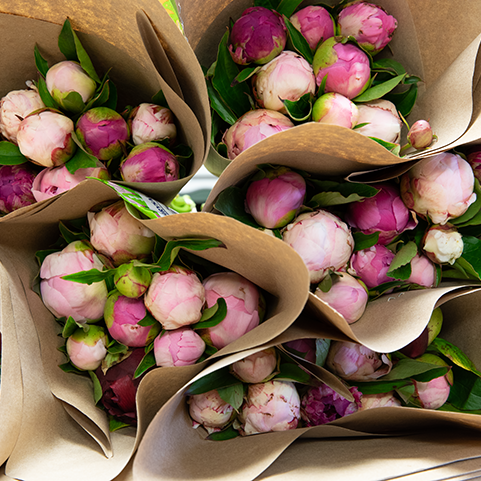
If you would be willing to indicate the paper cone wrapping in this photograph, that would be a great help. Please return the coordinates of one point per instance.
(172, 449)
(59, 406)
(113, 37)
(449, 70)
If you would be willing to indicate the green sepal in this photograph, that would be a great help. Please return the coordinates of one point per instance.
(212, 316)
(224, 435)
(233, 395)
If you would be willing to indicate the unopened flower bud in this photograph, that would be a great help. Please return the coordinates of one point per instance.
(210, 410)
(382, 120)
(180, 347)
(305, 348)
(16, 187)
(256, 367)
(132, 280)
(335, 109)
(87, 350)
(423, 271)
(372, 264)
(380, 400)
(443, 244)
(149, 122)
(420, 135)
(474, 159)
(315, 23)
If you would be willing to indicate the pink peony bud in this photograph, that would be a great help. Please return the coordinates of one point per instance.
(149, 122)
(150, 162)
(439, 187)
(257, 36)
(87, 350)
(270, 406)
(289, 76)
(474, 159)
(321, 405)
(175, 297)
(335, 109)
(372, 264)
(420, 135)
(118, 235)
(346, 66)
(347, 296)
(443, 244)
(245, 307)
(132, 280)
(381, 400)
(210, 410)
(423, 272)
(274, 200)
(64, 298)
(369, 24)
(355, 362)
(14, 107)
(16, 187)
(66, 77)
(45, 138)
(382, 119)
(180, 347)
(103, 132)
(55, 180)
(252, 127)
(385, 213)
(315, 24)
(322, 240)
(305, 348)
(256, 367)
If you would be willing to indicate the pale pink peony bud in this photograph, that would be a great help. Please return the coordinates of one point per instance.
(274, 200)
(149, 122)
(346, 66)
(315, 24)
(252, 127)
(180, 347)
(372, 264)
(66, 77)
(175, 297)
(46, 138)
(132, 280)
(474, 159)
(439, 187)
(150, 162)
(423, 272)
(347, 296)
(289, 76)
(16, 187)
(245, 307)
(322, 240)
(256, 367)
(381, 400)
(443, 244)
(68, 298)
(420, 135)
(385, 213)
(87, 350)
(369, 24)
(382, 119)
(305, 348)
(55, 180)
(118, 235)
(355, 362)
(321, 405)
(210, 410)
(270, 406)
(257, 36)
(335, 109)
(14, 107)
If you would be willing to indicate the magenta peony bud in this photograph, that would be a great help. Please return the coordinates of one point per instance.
(66, 77)
(210, 410)
(150, 162)
(372, 264)
(87, 350)
(347, 295)
(64, 298)
(385, 213)
(346, 66)
(245, 307)
(132, 280)
(423, 272)
(443, 244)
(175, 297)
(381, 400)
(474, 159)
(420, 135)
(315, 24)
(256, 367)
(46, 138)
(252, 127)
(270, 406)
(322, 240)
(274, 200)
(321, 405)
(439, 187)
(14, 107)
(180, 347)
(118, 235)
(258, 36)
(382, 119)
(103, 132)
(335, 109)
(16, 187)
(289, 76)
(355, 362)
(149, 122)
(55, 180)
(305, 348)
(369, 24)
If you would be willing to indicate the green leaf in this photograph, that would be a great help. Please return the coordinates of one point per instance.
(409, 368)
(404, 101)
(338, 193)
(388, 64)
(116, 347)
(401, 273)
(465, 270)
(376, 387)
(70, 327)
(218, 105)
(147, 362)
(380, 90)
(301, 109)
(326, 283)
(322, 350)
(159, 99)
(71, 236)
(225, 434)
(288, 7)
(111, 103)
(364, 241)
(473, 209)
(298, 41)
(97, 387)
(231, 203)
(221, 378)
(404, 256)
(40, 62)
(90, 276)
(101, 97)
(212, 316)
(454, 354)
(148, 320)
(10, 154)
(81, 160)
(465, 393)
(70, 368)
(245, 74)
(394, 148)
(47, 99)
(66, 42)
(450, 408)
(430, 375)
(233, 395)
(73, 102)
(292, 372)
(84, 60)
(471, 250)
(115, 424)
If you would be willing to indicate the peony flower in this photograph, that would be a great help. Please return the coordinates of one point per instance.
(420, 135)
(180, 347)
(305, 348)
(371, 265)
(381, 400)
(443, 244)
(210, 410)
(257, 367)
(382, 119)
(315, 24)
(16, 187)
(132, 280)
(87, 350)
(474, 160)
(335, 109)
(149, 122)
(423, 271)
